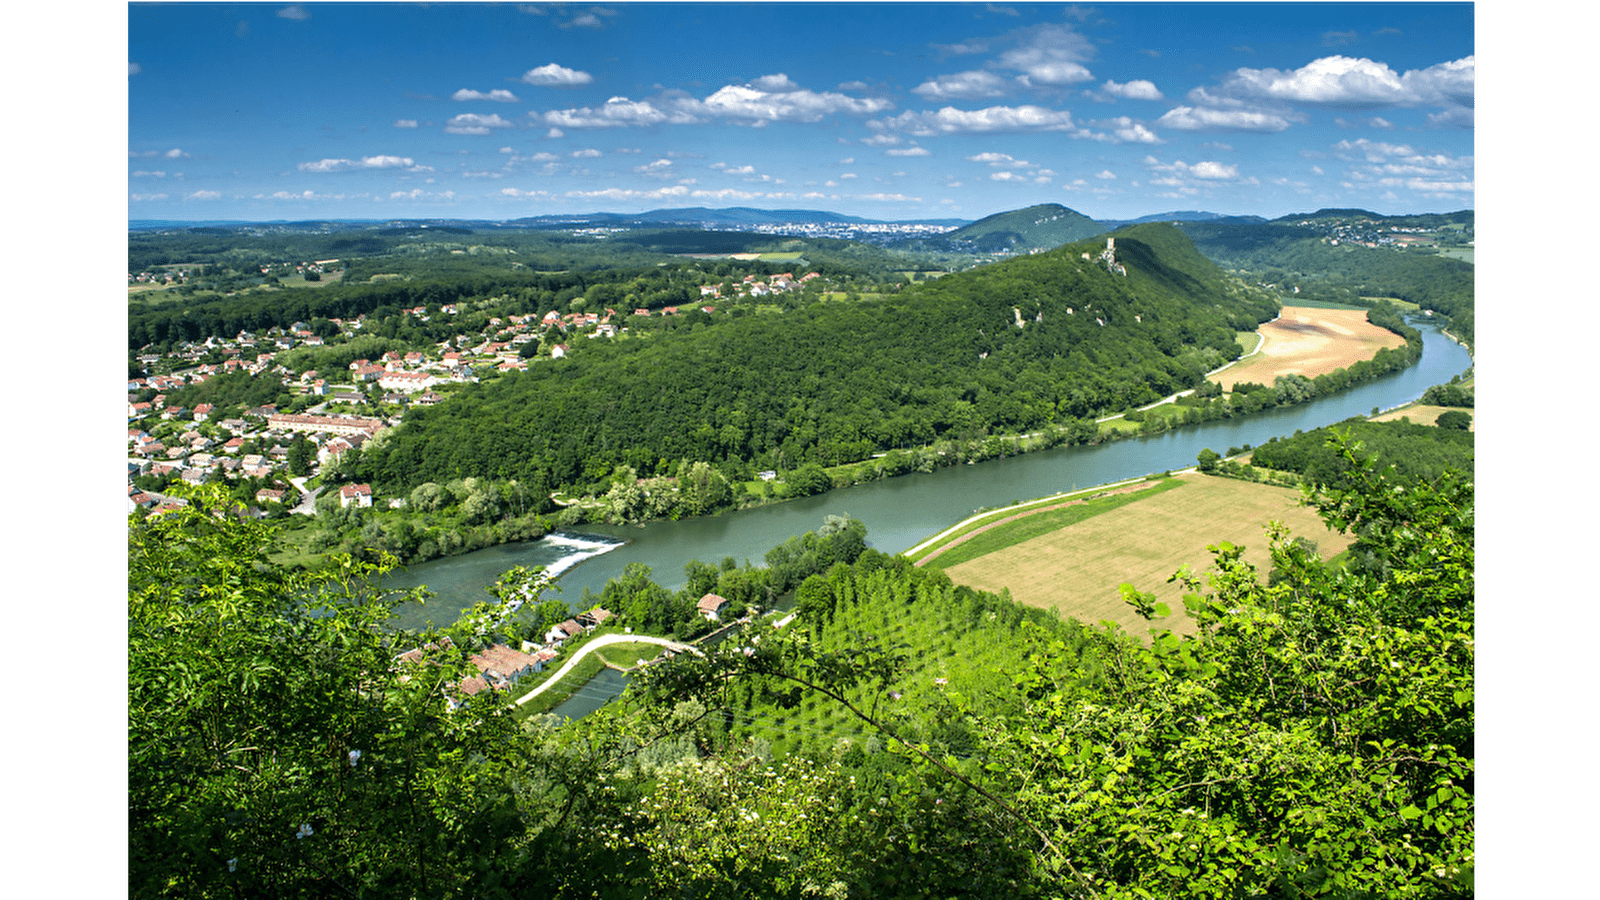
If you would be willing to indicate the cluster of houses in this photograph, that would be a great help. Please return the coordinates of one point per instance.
(405, 379)
(500, 666)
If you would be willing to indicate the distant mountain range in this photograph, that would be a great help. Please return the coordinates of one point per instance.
(1025, 230)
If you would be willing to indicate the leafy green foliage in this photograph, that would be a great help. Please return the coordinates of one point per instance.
(1416, 451)
(831, 382)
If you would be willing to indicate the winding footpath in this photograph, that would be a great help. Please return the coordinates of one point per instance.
(597, 643)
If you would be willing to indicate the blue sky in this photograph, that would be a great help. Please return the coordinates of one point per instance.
(888, 111)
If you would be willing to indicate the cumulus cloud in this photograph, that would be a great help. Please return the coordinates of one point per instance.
(1050, 55)
(144, 174)
(296, 12)
(1357, 83)
(1378, 165)
(553, 75)
(908, 151)
(1192, 118)
(143, 198)
(619, 112)
(962, 86)
(585, 153)
(793, 104)
(498, 95)
(405, 123)
(950, 120)
(999, 160)
(475, 123)
(777, 84)
(203, 195)
(1137, 89)
(661, 168)
(1186, 180)
(1123, 130)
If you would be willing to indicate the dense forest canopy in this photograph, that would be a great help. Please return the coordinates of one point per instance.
(1005, 348)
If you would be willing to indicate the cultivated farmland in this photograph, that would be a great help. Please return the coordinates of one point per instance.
(1077, 569)
(1310, 342)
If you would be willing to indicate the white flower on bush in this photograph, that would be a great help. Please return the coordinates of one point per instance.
(305, 831)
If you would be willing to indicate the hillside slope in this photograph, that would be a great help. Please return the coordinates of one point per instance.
(1002, 349)
(1039, 227)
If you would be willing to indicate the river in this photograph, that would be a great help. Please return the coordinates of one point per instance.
(899, 512)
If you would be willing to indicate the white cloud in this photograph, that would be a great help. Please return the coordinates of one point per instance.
(516, 192)
(1456, 117)
(950, 120)
(618, 112)
(554, 133)
(1053, 54)
(1379, 165)
(420, 194)
(882, 139)
(889, 198)
(405, 123)
(142, 174)
(1006, 175)
(1123, 130)
(553, 75)
(962, 86)
(1000, 160)
(367, 162)
(1106, 175)
(203, 195)
(585, 153)
(296, 12)
(1189, 180)
(144, 198)
(498, 95)
(631, 193)
(1190, 118)
(475, 123)
(134, 69)
(1213, 171)
(1138, 89)
(661, 168)
(777, 84)
(1357, 83)
(908, 151)
(790, 105)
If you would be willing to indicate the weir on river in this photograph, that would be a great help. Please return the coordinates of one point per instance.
(899, 512)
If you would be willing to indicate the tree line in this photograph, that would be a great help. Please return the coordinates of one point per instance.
(833, 383)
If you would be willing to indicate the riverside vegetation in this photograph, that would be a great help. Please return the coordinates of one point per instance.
(901, 737)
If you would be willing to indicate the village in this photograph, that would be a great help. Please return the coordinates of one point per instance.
(331, 413)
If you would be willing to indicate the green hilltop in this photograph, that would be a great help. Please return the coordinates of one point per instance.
(1041, 227)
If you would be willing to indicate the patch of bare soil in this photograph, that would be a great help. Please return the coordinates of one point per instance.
(1310, 342)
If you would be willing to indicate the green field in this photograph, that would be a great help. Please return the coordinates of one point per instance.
(1076, 569)
(1001, 531)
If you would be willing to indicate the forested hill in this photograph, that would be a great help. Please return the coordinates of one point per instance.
(1005, 348)
(1039, 227)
